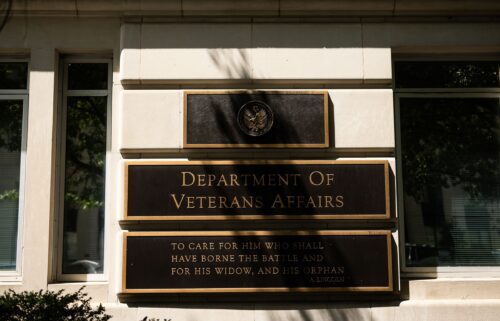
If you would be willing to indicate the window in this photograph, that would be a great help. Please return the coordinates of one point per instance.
(13, 121)
(85, 142)
(448, 150)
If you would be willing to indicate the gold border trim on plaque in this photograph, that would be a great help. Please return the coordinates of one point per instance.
(326, 144)
(360, 216)
(387, 233)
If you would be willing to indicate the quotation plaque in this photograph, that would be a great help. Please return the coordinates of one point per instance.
(257, 261)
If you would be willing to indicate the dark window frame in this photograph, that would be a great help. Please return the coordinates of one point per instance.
(487, 92)
(66, 93)
(19, 94)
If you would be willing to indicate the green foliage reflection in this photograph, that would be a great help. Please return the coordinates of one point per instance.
(11, 117)
(13, 75)
(449, 142)
(85, 151)
(447, 74)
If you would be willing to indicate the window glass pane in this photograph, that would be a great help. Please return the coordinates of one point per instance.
(11, 117)
(87, 76)
(13, 75)
(84, 185)
(443, 74)
(451, 181)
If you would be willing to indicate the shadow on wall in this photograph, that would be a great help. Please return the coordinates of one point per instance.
(353, 34)
(235, 63)
(245, 35)
(263, 312)
(232, 50)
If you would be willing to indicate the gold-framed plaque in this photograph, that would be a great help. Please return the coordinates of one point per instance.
(256, 190)
(257, 261)
(256, 119)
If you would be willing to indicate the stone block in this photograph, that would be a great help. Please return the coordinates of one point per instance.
(377, 64)
(472, 289)
(363, 118)
(337, 7)
(151, 119)
(230, 7)
(307, 63)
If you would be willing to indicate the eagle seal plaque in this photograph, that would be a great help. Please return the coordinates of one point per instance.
(255, 118)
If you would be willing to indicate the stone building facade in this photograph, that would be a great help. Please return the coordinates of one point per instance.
(120, 69)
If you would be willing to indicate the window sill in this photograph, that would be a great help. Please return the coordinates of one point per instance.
(10, 278)
(451, 289)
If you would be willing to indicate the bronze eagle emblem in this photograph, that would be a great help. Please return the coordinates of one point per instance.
(255, 119)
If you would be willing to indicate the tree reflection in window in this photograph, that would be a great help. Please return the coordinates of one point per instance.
(11, 117)
(13, 75)
(84, 184)
(447, 74)
(451, 180)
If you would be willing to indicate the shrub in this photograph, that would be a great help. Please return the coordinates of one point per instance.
(49, 306)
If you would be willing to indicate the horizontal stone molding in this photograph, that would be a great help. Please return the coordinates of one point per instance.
(258, 8)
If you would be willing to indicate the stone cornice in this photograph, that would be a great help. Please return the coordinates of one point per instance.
(257, 8)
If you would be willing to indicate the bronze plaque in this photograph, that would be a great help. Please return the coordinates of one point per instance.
(257, 261)
(256, 119)
(238, 190)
